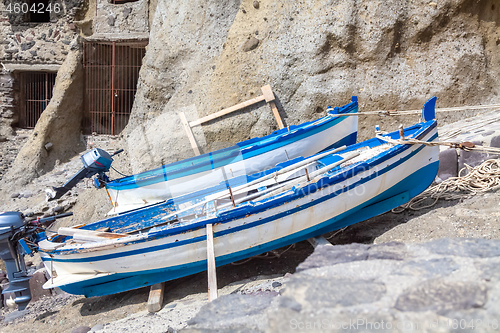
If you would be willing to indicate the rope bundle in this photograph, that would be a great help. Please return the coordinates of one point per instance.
(479, 179)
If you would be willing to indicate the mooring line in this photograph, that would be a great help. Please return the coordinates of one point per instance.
(418, 111)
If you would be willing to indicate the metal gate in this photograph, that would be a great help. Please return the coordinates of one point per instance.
(35, 94)
(111, 75)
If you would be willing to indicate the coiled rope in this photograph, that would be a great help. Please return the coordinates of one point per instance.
(479, 179)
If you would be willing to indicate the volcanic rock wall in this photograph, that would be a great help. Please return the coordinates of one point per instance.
(209, 55)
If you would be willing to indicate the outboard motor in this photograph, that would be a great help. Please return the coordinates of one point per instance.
(96, 161)
(11, 223)
(13, 230)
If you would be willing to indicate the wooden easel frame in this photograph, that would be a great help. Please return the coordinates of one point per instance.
(267, 95)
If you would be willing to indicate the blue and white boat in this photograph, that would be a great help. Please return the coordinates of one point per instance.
(299, 199)
(245, 158)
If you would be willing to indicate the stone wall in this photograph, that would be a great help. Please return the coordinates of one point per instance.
(24, 44)
(7, 114)
(58, 125)
(37, 43)
(126, 18)
(30, 46)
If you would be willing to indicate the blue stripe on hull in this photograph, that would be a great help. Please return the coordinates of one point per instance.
(391, 198)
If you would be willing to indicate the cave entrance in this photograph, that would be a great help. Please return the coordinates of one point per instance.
(111, 75)
(35, 93)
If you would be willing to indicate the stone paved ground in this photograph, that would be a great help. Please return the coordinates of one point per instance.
(444, 285)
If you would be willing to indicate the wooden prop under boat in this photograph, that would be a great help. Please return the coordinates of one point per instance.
(157, 244)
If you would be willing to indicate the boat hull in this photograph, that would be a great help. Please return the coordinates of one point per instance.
(387, 183)
(210, 169)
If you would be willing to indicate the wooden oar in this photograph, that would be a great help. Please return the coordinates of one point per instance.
(88, 235)
(313, 174)
(254, 184)
(245, 187)
(292, 182)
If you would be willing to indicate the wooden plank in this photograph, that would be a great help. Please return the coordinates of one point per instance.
(189, 133)
(212, 274)
(270, 98)
(88, 234)
(268, 93)
(276, 114)
(226, 111)
(317, 241)
(155, 300)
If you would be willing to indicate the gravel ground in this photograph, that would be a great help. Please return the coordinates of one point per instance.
(127, 311)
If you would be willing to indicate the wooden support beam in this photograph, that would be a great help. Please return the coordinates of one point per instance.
(267, 95)
(317, 241)
(212, 274)
(270, 98)
(155, 300)
(276, 115)
(189, 133)
(226, 111)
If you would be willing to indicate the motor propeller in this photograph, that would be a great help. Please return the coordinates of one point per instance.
(15, 235)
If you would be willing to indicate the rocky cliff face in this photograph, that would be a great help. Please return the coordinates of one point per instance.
(392, 54)
(56, 135)
(209, 55)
